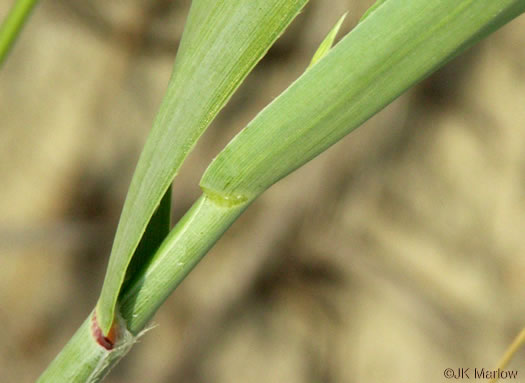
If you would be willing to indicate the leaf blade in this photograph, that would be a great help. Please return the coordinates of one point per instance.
(12, 25)
(401, 42)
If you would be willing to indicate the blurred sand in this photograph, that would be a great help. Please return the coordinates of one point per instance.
(405, 257)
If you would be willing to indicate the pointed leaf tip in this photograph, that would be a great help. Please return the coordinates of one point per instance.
(328, 42)
(370, 10)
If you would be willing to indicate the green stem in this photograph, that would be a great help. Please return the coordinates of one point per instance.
(83, 360)
(12, 25)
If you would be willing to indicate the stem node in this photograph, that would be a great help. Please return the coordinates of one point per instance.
(108, 342)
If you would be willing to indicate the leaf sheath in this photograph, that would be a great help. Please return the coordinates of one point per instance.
(222, 42)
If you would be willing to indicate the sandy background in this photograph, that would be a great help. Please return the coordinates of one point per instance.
(394, 255)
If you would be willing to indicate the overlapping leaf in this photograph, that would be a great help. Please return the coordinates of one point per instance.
(222, 41)
(397, 44)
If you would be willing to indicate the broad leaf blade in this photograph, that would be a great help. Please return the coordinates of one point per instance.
(222, 42)
(398, 44)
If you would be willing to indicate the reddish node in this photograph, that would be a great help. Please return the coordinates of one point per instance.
(108, 342)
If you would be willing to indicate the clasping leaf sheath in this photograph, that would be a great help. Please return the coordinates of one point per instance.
(222, 42)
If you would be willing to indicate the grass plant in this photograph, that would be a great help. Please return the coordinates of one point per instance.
(396, 44)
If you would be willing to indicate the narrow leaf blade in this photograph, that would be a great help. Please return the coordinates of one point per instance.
(12, 25)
